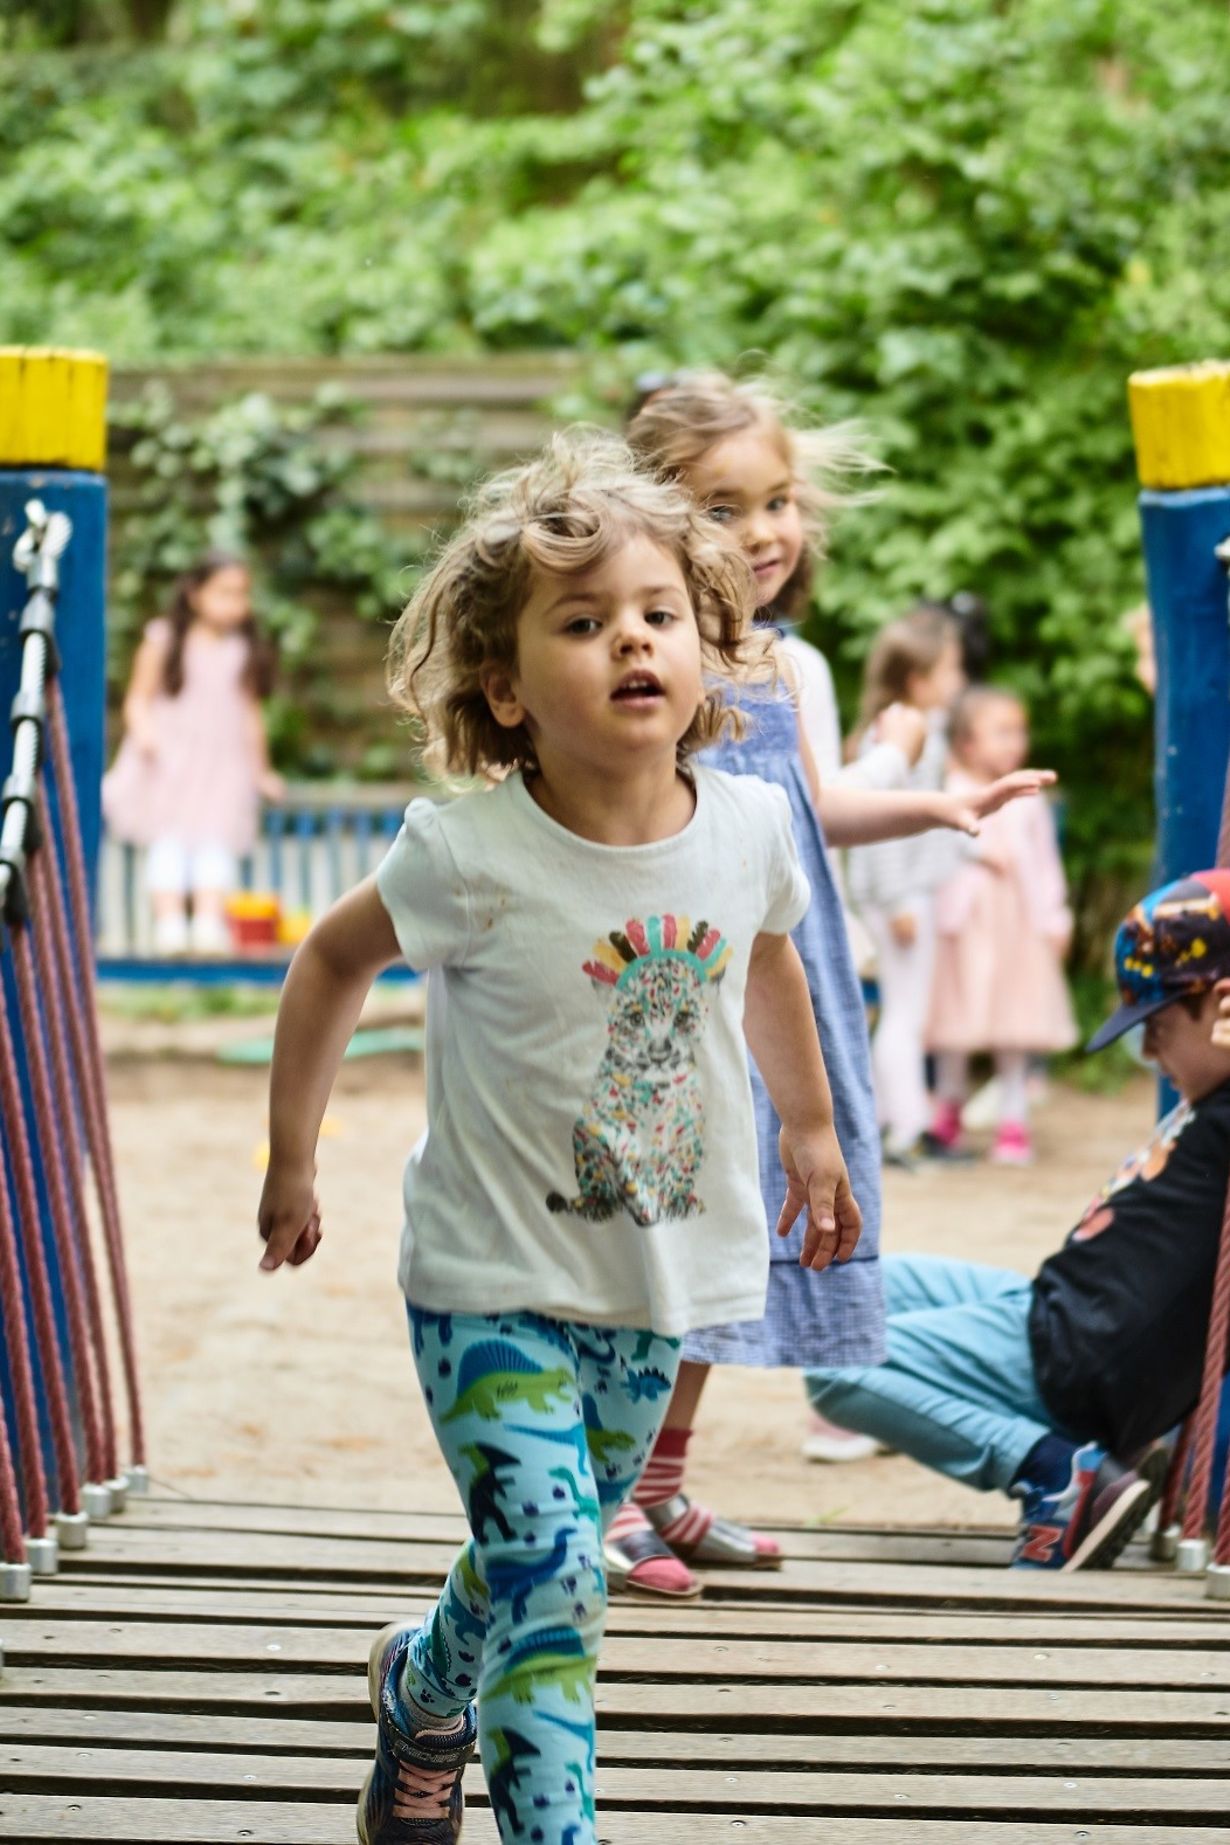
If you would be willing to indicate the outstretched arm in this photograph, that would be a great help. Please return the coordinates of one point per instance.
(863, 816)
(781, 1034)
(328, 981)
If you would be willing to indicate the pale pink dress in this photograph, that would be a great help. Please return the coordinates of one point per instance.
(998, 983)
(200, 788)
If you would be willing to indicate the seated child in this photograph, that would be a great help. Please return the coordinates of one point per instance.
(1053, 1389)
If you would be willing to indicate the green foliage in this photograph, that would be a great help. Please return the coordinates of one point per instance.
(963, 221)
(253, 478)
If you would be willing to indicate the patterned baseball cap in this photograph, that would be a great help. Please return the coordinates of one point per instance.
(1175, 941)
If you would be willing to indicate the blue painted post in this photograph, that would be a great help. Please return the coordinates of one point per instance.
(1188, 596)
(1181, 426)
(52, 420)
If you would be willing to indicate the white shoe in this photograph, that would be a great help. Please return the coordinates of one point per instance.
(826, 1442)
(171, 933)
(209, 935)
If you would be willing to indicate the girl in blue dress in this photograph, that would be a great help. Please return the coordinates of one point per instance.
(767, 483)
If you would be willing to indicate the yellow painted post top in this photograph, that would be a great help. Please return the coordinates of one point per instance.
(53, 408)
(1181, 425)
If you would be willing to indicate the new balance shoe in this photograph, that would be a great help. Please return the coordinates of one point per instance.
(1087, 1523)
(412, 1794)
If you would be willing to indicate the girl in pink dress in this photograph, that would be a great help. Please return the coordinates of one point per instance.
(1003, 927)
(194, 763)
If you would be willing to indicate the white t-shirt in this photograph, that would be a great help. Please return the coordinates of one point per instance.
(591, 1148)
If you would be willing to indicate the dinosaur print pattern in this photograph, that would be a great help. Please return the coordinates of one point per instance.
(495, 1373)
(639, 1142)
(546, 1425)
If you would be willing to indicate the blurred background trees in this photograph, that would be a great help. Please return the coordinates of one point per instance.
(963, 221)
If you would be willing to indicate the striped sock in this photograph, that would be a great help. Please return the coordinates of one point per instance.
(663, 1479)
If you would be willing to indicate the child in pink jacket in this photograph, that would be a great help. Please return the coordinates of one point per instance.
(1003, 927)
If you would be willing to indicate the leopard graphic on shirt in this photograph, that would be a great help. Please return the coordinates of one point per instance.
(639, 1142)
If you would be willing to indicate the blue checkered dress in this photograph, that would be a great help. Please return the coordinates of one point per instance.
(834, 1318)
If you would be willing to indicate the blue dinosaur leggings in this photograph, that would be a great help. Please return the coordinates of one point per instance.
(546, 1425)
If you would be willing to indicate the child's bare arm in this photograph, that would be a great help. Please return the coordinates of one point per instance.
(143, 688)
(328, 981)
(270, 783)
(862, 816)
(781, 1034)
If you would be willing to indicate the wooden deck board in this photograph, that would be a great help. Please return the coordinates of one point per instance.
(57, 1820)
(928, 1659)
(197, 1677)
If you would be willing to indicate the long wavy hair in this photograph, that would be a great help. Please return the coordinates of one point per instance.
(681, 419)
(564, 513)
(259, 669)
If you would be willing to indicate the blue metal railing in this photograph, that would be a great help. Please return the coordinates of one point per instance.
(313, 846)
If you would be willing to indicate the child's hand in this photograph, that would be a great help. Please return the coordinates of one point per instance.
(1221, 1024)
(271, 785)
(289, 1215)
(905, 727)
(904, 927)
(964, 812)
(816, 1178)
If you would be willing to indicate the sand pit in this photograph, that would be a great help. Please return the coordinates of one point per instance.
(299, 1387)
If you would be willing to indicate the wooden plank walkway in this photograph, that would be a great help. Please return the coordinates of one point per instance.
(197, 1677)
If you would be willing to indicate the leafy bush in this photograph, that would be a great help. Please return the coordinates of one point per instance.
(962, 220)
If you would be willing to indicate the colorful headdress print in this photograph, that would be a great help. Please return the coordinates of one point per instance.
(659, 938)
(1175, 941)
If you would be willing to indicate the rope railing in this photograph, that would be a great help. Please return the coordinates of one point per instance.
(1186, 1515)
(51, 1294)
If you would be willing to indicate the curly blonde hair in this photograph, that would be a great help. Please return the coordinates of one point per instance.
(679, 421)
(565, 512)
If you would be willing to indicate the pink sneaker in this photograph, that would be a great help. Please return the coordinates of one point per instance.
(946, 1124)
(1013, 1146)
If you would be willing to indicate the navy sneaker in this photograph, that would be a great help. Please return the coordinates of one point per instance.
(412, 1794)
(1086, 1524)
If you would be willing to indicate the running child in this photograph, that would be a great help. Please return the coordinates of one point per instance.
(1002, 927)
(769, 486)
(604, 926)
(193, 767)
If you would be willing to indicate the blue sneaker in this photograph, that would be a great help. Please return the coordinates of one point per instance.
(1087, 1523)
(412, 1794)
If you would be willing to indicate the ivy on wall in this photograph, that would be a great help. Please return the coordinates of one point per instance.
(253, 477)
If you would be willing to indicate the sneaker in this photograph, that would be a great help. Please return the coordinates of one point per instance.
(946, 1123)
(947, 1152)
(1013, 1146)
(208, 934)
(171, 933)
(412, 1794)
(824, 1441)
(1086, 1524)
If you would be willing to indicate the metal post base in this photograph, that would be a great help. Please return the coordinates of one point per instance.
(1192, 1556)
(73, 1530)
(138, 1481)
(1165, 1544)
(118, 1489)
(44, 1555)
(96, 1500)
(1217, 1582)
(14, 1582)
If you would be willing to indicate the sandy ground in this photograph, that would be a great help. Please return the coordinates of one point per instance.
(299, 1387)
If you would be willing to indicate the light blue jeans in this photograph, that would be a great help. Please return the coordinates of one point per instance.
(957, 1390)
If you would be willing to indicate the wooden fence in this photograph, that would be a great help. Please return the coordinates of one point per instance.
(415, 415)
